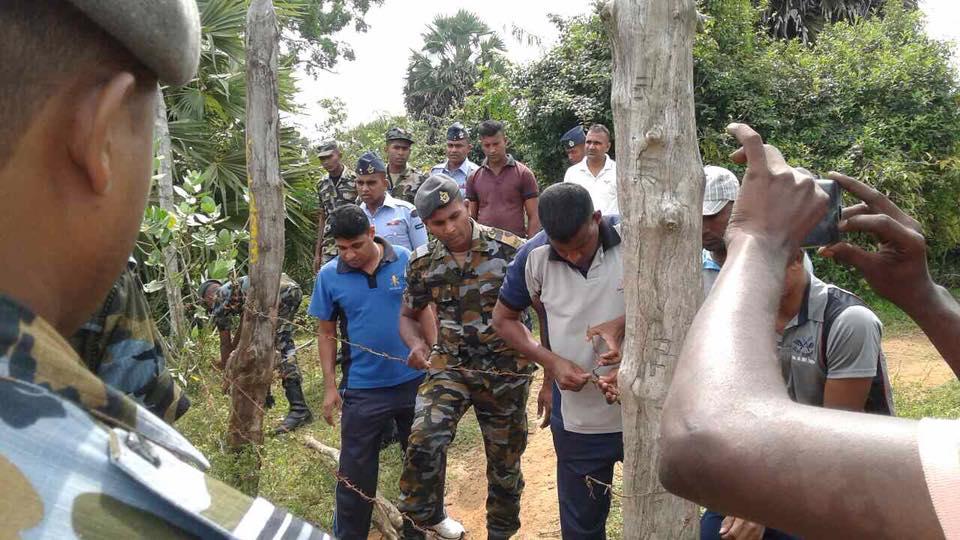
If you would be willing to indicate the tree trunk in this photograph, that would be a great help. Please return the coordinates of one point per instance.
(660, 183)
(250, 369)
(173, 280)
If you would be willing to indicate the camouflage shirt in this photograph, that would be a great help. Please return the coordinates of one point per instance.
(333, 194)
(80, 459)
(405, 185)
(231, 296)
(465, 297)
(122, 346)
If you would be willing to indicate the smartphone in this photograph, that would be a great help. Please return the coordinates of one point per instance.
(827, 231)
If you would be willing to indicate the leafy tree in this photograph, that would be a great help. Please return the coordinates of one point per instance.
(804, 19)
(443, 73)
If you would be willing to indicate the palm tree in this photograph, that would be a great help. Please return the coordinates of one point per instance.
(443, 73)
(804, 19)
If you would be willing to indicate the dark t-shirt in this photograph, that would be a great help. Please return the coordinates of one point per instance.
(501, 197)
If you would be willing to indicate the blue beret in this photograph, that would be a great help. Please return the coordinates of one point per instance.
(457, 132)
(573, 137)
(370, 163)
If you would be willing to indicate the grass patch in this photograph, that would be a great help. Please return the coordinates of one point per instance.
(914, 401)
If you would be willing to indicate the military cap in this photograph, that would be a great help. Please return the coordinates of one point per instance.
(399, 134)
(163, 34)
(573, 137)
(436, 192)
(370, 163)
(327, 148)
(457, 132)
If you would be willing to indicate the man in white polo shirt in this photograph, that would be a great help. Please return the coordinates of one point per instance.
(597, 172)
(574, 269)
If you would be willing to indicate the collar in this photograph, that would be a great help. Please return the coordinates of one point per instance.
(388, 201)
(609, 238)
(707, 262)
(814, 303)
(510, 162)
(407, 171)
(389, 256)
(464, 167)
(477, 244)
(607, 164)
(35, 354)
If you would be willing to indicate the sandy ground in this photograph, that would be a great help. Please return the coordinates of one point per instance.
(910, 358)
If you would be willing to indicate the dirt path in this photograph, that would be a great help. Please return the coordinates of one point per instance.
(467, 485)
(910, 358)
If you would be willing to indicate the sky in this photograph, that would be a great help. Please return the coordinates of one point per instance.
(373, 83)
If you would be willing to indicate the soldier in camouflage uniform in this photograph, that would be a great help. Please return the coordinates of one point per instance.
(461, 272)
(404, 180)
(122, 345)
(225, 303)
(78, 458)
(339, 187)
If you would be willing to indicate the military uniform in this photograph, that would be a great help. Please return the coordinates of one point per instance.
(229, 304)
(80, 459)
(122, 346)
(404, 186)
(465, 297)
(333, 194)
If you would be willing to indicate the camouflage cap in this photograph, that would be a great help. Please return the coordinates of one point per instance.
(436, 192)
(163, 34)
(573, 137)
(370, 163)
(399, 134)
(457, 132)
(327, 148)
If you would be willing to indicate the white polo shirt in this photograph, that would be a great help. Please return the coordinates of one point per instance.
(602, 187)
(574, 300)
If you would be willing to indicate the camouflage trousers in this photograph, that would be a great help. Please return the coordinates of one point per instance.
(289, 303)
(443, 398)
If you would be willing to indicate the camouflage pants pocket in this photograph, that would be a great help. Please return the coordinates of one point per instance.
(287, 366)
(442, 400)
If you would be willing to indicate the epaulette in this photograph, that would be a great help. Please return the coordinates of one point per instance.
(502, 236)
(421, 251)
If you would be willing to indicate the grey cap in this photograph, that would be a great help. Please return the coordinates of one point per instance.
(436, 192)
(163, 34)
(326, 148)
(720, 188)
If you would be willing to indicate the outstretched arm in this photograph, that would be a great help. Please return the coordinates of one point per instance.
(731, 438)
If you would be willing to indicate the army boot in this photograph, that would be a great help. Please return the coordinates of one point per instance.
(299, 414)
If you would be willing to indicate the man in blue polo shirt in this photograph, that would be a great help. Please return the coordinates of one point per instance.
(574, 269)
(394, 220)
(363, 286)
(458, 165)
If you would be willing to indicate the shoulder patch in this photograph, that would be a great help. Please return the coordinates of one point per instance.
(421, 251)
(502, 236)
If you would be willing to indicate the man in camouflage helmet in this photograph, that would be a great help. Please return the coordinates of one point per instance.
(78, 458)
(404, 180)
(461, 272)
(224, 303)
(122, 345)
(338, 188)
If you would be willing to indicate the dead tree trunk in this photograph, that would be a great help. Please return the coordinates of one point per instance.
(660, 187)
(250, 370)
(173, 280)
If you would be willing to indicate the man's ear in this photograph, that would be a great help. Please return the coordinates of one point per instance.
(92, 146)
(372, 231)
(597, 216)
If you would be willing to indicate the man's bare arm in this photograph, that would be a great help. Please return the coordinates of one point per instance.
(731, 438)
(533, 216)
(846, 394)
(508, 326)
(411, 332)
(327, 349)
(226, 346)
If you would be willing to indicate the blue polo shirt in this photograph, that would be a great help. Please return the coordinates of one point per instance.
(370, 306)
(397, 222)
(459, 174)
